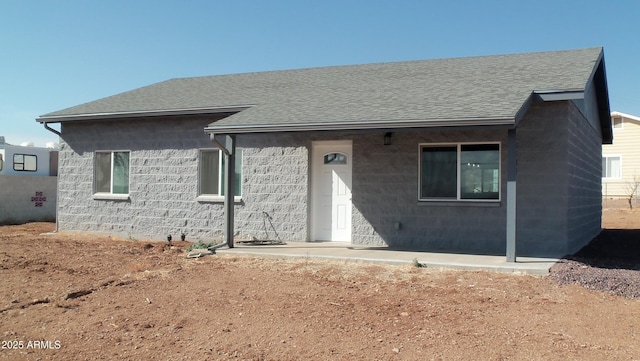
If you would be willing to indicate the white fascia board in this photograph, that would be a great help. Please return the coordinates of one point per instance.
(624, 115)
(302, 127)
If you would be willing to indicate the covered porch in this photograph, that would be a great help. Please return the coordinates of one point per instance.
(342, 252)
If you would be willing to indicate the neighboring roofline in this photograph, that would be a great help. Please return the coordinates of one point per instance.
(142, 113)
(625, 115)
(359, 125)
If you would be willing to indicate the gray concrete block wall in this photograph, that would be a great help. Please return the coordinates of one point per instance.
(585, 180)
(559, 180)
(542, 181)
(385, 192)
(276, 168)
(163, 180)
(276, 180)
(19, 194)
(275, 187)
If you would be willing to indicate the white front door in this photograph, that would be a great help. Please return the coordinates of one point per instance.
(331, 188)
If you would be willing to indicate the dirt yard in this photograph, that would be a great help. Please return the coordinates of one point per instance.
(83, 297)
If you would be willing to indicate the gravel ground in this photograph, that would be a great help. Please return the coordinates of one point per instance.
(610, 263)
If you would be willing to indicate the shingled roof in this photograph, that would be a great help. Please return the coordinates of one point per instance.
(461, 91)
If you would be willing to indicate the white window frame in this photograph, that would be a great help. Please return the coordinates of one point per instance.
(604, 174)
(613, 123)
(110, 195)
(459, 172)
(203, 197)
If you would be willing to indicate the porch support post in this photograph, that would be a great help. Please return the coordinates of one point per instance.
(512, 172)
(229, 189)
(227, 144)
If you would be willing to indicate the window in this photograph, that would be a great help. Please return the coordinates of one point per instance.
(212, 163)
(460, 172)
(25, 163)
(111, 172)
(335, 158)
(612, 167)
(617, 123)
(1, 162)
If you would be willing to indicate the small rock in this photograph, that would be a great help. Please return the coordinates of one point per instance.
(197, 253)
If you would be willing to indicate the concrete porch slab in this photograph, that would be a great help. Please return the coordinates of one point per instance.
(349, 252)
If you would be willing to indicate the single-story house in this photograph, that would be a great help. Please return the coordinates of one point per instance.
(487, 155)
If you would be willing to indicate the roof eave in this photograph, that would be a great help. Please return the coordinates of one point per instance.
(557, 95)
(599, 77)
(140, 114)
(360, 125)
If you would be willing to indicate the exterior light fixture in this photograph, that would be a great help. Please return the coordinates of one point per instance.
(387, 138)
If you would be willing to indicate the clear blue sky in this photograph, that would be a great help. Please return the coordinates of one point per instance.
(57, 54)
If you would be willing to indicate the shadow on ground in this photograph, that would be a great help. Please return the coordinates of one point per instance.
(613, 249)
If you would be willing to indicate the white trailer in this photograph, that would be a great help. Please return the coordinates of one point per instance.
(28, 183)
(28, 160)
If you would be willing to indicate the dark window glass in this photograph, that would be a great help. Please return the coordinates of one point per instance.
(439, 172)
